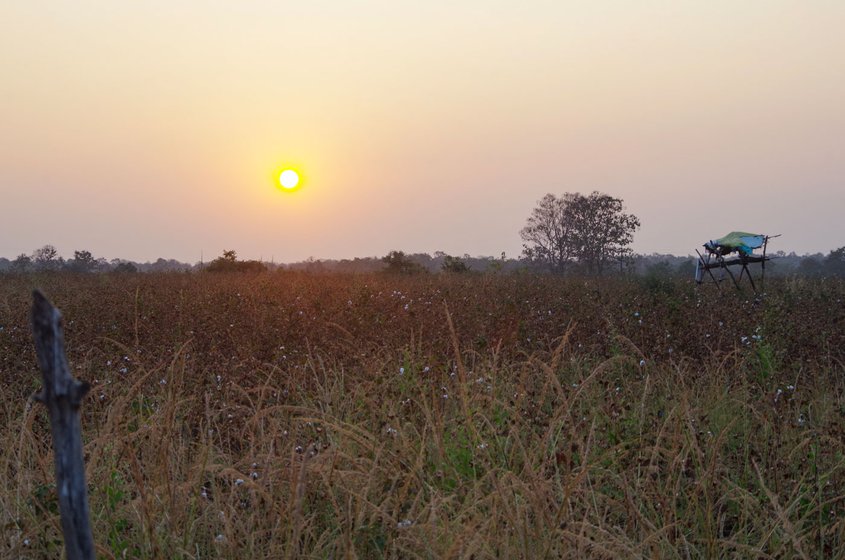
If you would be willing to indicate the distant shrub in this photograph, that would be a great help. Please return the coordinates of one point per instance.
(125, 268)
(229, 263)
(455, 265)
(399, 263)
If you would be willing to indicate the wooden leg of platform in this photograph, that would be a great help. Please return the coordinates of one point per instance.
(750, 279)
(707, 268)
(732, 276)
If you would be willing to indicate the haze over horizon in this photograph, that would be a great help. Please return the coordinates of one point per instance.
(154, 130)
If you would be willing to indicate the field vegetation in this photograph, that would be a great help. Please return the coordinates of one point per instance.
(284, 414)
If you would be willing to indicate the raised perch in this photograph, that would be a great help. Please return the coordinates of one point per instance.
(717, 255)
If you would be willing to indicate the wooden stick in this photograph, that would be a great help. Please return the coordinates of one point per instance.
(731, 274)
(706, 267)
(62, 395)
(750, 279)
(763, 274)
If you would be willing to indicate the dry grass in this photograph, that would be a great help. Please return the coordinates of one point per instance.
(287, 415)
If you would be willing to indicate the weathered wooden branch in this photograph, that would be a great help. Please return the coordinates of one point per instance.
(62, 395)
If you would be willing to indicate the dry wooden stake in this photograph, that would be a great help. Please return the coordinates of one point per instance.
(62, 395)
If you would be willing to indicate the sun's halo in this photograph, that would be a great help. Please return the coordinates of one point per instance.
(289, 179)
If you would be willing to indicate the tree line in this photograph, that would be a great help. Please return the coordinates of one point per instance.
(585, 235)
(650, 265)
(47, 259)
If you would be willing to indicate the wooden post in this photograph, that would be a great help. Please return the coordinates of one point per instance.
(62, 395)
(748, 272)
(707, 268)
(763, 274)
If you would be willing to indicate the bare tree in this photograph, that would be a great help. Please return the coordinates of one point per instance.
(546, 234)
(592, 231)
(46, 258)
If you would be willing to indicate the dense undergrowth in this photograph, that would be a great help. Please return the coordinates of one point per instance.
(293, 415)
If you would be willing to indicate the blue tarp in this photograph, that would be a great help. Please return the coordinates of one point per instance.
(740, 241)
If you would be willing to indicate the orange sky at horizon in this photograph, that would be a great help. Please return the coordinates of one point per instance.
(151, 130)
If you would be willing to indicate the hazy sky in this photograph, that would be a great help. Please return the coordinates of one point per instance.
(151, 129)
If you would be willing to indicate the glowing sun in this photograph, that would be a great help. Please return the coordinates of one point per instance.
(289, 179)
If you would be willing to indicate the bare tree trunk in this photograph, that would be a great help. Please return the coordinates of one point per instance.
(62, 395)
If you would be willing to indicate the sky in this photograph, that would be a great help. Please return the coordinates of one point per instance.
(154, 129)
